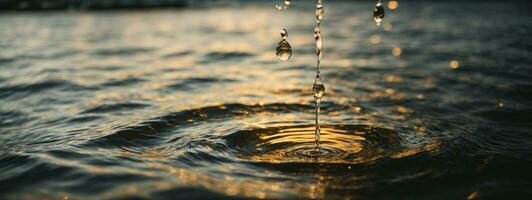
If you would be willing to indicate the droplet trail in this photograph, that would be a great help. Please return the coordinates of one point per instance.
(318, 89)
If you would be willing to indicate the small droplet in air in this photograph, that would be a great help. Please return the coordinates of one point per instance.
(318, 89)
(378, 12)
(319, 43)
(284, 50)
(319, 12)
(283, 6)
(287, 2)
(284, 33)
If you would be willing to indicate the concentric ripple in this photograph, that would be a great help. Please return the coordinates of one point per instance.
(273, 142)
(295, 143)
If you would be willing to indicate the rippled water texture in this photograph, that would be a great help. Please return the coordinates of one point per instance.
(193, 103)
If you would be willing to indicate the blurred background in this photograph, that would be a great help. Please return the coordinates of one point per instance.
(138, 4)
(187, 99)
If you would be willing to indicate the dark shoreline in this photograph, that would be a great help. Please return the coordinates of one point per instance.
(55, 5)
(52, 5)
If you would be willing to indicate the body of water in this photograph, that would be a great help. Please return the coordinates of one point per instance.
(193, 103)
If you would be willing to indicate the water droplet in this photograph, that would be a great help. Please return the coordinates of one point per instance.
(287, 2)
(378, 12)
(284, 33)
(283, 6)
(319, 12)
(319, 43)
(318, 89)
(284, 50)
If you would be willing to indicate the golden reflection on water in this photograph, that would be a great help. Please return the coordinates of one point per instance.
(392, 5)
(301, 135)
(387, 26)
(454, 64)
(402, 109)
(266, 187)
(249, 88)
(252, 84)
(375, 39)
(396, 51)
(393, 78)
(472, 196)
(415, 150)
(229, 185)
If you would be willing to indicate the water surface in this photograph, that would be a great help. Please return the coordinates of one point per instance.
(193, 103)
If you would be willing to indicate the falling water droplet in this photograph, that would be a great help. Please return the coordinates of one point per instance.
(318, 89)
(283, 6)
(284, 33)
(284, 50)
(319, 12)
(378, 12)
(319, 43)
(287, 2)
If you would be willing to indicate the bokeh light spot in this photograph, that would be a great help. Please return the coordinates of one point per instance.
(454, 64)
(397, 51)
(392, 5)
(388, 26)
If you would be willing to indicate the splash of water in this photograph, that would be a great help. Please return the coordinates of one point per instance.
(318, 88)
(284, 52)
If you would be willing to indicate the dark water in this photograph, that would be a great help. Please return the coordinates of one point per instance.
(192, 103)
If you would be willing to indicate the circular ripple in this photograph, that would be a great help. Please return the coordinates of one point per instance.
(295, 143)
(313, 153)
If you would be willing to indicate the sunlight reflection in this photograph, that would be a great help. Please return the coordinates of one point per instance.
(392, 78)
(254, 188)
(396, 51)
(387, 26)
(392, 5)
(454, 64)
(415, 150)
(402, 109)
(472, 196)
(375, 39)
